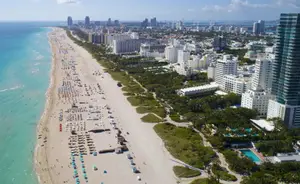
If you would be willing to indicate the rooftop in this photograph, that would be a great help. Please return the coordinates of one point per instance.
(211, 85)
(264, 124)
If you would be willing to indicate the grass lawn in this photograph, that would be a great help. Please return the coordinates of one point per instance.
(185, 145)
(151, 118)
(200, 181)
(121, 77)
(184, 172)
(142, 110)
(128, 94)
(222, 173)
(133, 88)
(176, 118)
(160, 111)
(134, 101)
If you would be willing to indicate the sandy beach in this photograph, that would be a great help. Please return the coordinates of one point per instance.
(89, 132)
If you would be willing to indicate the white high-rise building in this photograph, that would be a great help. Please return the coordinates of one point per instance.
(195, 62)
(171, 53)
(183, 57)
(227, 66)
(258, 100)
(118, 37)
(262, 78)
(126, 46)
(259, 95)
(211, 71)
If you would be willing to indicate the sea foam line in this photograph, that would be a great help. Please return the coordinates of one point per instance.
(12, 88)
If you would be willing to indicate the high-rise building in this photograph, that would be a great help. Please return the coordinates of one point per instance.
(219, 43)
(262, 78)
(261, 26)
(171, 54)
(235, 84)
(153, 22)
(145, 23)
(87, 21)
(259, 95)
(257, 100)
(70, 21)
(116, 22)
(286, 72)
(227, 66)
(183, 57)
(256, 28)
(109, 23)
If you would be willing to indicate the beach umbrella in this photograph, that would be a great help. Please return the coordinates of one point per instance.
(105, 172)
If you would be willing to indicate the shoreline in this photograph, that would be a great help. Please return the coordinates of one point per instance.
(42, 124)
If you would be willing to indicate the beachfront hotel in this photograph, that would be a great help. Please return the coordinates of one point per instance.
(286, 72)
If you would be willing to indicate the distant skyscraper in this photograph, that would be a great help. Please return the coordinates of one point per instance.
(87, 21)
(256, 29)
(286, 72)
(153, 22)
(145, 23)
(117, 22)
(219, 43)
(109, 22)
(70, 21)
(261, 26)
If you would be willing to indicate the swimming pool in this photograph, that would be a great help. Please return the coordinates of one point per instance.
(252, 156)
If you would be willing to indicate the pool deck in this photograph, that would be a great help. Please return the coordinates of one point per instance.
(259, 155)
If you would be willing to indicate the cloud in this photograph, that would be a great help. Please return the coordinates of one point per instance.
(67, 1)
(191, 10)
(235, 5)
(293, 3)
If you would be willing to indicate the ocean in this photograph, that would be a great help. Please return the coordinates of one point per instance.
(25, 63)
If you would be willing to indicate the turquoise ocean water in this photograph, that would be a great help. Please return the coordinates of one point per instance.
(25, 63)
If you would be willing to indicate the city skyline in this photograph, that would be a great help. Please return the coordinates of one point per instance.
(217, 10)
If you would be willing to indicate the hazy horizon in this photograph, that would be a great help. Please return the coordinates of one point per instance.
(135, 10)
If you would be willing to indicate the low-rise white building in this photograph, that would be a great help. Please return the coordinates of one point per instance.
(258, 100)
(235, 84)
(198, 90)
(284, 157)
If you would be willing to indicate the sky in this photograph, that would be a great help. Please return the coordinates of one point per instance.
(136, 10)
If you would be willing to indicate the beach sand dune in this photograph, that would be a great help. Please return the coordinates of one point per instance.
(82, 98)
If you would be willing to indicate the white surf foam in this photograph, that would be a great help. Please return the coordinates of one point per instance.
(12, 88)
(35, 70)
(39, 57)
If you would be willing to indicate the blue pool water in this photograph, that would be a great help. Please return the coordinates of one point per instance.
(251, 155)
